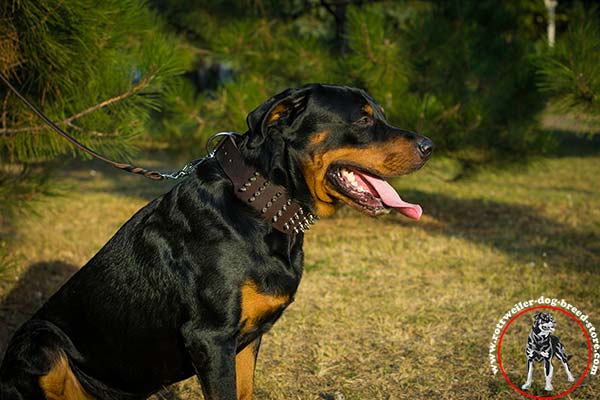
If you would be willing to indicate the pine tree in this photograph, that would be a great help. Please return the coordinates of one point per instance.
(96, 68)
(570, 72)
(473, 79)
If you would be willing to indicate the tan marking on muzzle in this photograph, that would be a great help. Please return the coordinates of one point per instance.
(393, 158)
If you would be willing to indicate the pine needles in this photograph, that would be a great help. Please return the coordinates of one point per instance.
(96, 68)
(570, 72)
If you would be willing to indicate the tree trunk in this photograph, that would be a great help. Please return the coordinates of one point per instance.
(551, 7)
(338, 10)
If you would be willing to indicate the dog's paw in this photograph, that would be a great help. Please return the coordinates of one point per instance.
(526, 386)
(571, 378)
(332, 396)
(548, 387)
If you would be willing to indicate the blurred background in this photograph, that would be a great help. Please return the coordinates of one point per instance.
(509, 91)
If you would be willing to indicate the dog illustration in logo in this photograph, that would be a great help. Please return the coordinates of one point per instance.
(543, 346)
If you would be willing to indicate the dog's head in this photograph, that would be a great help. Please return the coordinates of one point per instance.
(543, 324)
(332, 144)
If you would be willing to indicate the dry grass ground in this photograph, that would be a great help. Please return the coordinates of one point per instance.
(388, 308)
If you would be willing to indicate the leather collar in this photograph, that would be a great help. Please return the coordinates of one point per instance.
(272, 202)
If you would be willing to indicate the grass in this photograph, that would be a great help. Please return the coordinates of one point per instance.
(388, 308)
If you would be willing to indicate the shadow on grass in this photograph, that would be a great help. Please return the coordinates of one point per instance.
(519, 231)
(570, 144)
(34, 287)
(98, 177)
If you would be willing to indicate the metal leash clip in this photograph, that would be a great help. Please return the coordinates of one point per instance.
(185, 171)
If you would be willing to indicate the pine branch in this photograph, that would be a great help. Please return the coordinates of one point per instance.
(306, 7)
(4, 106)
(329, 9)
(91, 132)
(197, 50)
(138, 87)
(191, 113)
(368, 47)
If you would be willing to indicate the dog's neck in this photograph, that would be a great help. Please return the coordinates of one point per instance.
(272, 202)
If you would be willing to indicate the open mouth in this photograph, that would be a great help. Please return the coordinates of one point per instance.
(547, 328)
(369, 193)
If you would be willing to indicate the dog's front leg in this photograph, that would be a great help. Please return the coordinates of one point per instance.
(213, 355)
(527, 384)
(548, 371)
(564, 359)
(570, 376)
(245, 365)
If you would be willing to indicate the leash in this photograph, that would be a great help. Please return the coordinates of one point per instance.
(150, 174)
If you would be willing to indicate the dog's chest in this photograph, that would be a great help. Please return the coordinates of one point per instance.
(539, 344)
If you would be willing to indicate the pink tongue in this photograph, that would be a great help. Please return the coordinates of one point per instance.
(391, 199)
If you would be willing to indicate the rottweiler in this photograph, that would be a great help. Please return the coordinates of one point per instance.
(193, 280)
(543, 346)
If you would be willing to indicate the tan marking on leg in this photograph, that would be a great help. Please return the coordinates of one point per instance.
(245, 362)
(257, 305)
(368, 109)
(61, 384)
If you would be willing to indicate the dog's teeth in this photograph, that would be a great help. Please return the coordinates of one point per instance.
(355, 184)
(350, 178)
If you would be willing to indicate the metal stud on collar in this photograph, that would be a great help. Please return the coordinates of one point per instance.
(297, 222)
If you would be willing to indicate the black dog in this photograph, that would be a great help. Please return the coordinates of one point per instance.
(542, 346)
(191, 283)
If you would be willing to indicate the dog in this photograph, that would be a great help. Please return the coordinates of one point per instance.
(190, 284)
(543, 346)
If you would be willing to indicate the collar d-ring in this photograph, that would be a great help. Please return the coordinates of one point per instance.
(210, 149)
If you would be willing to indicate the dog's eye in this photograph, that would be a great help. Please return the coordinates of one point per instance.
(364, 121)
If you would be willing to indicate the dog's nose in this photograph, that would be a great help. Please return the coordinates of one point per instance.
(425, 146)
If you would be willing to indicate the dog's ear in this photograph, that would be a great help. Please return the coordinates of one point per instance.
(280, 111)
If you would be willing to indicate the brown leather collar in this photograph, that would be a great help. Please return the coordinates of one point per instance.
(272, 202)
